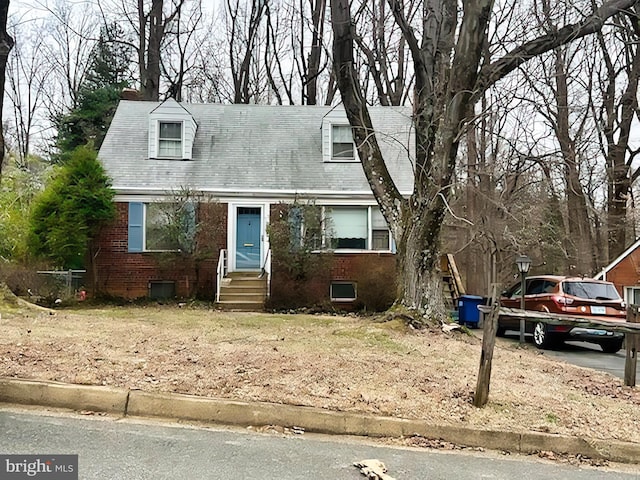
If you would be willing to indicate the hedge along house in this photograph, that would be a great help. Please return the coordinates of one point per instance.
(624, 273)
(228, 170)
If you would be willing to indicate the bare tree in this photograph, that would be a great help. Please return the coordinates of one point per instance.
(385, 50)
(449, 75)
(559, 88)
(27, 75)
(179, 56)
(6, 43)
(149, 22)
(618, 82)
(153, 25)
(72, 34)
(243, 30)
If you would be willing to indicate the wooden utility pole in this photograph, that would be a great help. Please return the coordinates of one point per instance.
(632, 343)
(489, 327)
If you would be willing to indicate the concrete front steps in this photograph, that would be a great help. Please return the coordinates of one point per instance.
(243, 291)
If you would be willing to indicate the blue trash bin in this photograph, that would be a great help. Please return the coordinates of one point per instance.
(468, 313)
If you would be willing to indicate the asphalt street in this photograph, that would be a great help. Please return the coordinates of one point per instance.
(109, 448)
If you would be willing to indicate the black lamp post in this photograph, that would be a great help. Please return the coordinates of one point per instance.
(523, 262)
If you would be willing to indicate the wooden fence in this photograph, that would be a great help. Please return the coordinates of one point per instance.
(630, 328)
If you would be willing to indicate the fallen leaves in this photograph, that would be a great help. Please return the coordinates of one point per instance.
(337, 363)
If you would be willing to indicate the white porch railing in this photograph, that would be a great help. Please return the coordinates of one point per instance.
(266, 270)
(221, 271)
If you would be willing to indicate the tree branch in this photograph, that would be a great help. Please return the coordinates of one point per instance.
(497, 70)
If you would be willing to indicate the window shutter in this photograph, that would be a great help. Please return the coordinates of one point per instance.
(136, 225)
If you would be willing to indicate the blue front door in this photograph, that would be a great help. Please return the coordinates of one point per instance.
(248, 239)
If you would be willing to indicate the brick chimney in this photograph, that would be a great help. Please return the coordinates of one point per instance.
(130, 94)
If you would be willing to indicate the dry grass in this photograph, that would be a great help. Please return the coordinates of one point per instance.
(334, 362)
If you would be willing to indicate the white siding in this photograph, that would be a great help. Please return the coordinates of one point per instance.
(153, 137)
(336, 116)
(189, 132)
(172, 111)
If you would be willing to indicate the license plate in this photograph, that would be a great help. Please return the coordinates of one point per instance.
(598, 310)
(595, 332)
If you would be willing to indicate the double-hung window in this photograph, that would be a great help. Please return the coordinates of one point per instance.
(380, 235)
(348, 227)
(342, 147)
(358, 228)
(170, 140)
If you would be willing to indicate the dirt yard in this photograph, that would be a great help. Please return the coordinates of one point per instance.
(341, 363)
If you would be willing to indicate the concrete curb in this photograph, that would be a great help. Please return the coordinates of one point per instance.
(230, 412)
(63, 395)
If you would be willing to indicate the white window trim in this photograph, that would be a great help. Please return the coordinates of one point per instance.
(159, 139)
(628, 294)
(342, 159)
(369, 249)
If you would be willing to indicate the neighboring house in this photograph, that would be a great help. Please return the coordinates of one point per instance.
(624, 273)
(241, 162)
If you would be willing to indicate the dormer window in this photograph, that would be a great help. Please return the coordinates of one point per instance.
(342, 147)
(172, 132)
(170, 140)
(337, 138)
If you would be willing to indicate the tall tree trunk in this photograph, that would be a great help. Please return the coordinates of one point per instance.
(619, 188)
(6, 44)
(580, 234)
(151, 85)
(618, 121)
(313, 65)
(448, 78)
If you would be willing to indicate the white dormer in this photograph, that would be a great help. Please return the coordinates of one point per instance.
(337, 139)
(171, 132)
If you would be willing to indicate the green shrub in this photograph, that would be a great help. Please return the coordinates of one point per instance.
(71, 210)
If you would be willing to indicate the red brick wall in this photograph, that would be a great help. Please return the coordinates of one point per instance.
(119, 273)
(626, 273)
(374, 274)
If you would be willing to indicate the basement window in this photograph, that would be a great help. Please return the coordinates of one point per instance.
(162, 289)
(343, 291)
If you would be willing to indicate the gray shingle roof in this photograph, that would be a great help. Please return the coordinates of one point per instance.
(249, 148)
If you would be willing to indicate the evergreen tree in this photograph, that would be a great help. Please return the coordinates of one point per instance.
(108, 75)
(110, 61)
(71, 210)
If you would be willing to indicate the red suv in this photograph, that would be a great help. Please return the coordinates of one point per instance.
(569, 295)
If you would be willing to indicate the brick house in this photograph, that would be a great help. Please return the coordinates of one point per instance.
(624, 273)
(229, 169)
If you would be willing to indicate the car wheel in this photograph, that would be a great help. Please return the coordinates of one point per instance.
(612, 346)
(541, 337)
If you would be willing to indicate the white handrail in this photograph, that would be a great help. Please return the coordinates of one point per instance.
(221, 272)
(267, 269)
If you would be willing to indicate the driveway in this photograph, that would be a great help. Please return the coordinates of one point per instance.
(584, 354)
